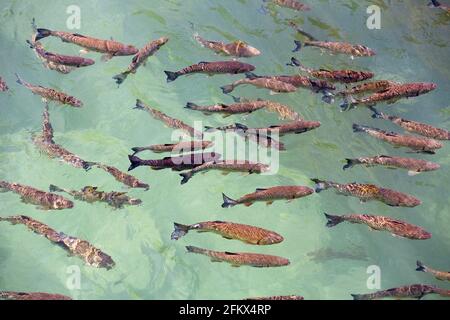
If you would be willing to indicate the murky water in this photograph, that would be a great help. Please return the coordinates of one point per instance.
(412, 45)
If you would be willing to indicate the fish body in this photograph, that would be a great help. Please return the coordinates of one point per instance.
(440, 275)
(230, 230)
(411, 164)
(368, 87)
(298, 81)
(418, 144)
(3, 85)
(366, 192)
(299, 126)
(141, 58)
(169, 121)
(237, 48)
(183, 146)
(270, 83)
(263, 140)
(292, 4)
(178, 163)
(217, 67)
(45, 200)
(123, 177)
(238, 259)
(290, 297)
(81, 248)
(269, 195)
(395, 227)
(327, 254)
(13, 295)
(415, 291)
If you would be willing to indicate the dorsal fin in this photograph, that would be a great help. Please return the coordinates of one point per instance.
(260, 189)
(79, 35)
(224, 105)
(231, 253)
(218, 221)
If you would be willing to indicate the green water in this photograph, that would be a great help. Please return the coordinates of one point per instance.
(412, 45)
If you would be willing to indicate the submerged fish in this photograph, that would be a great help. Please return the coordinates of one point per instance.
(326, 254)
(419, 144)
(226, 166)
(315, 85)
(263, 140)
(368, 87)
(237, 259)
(291, 297)
(414, 166)
(437, 4)
(169, 121)
(396, 227)
(91, 194)
(13, 295)
(415, 291)
(217, 67)
(141, 58)
(109, 48)
(230, 230)
(440, 275)
(183, 146)
(3, 85)
(178, 163)
(269, 195)
(236, 48)
(123, 177)
(297, 127)
(291, 4)
(81, 248)
(414, 126)
(366, 192)
(44, 200)
(274, 85)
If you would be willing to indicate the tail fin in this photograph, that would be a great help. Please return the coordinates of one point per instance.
(358, 296)
(421, 266)
(328, 97)
(186, 176)
(251, 75)
(30, 44)
(376, 114)
(171, 76)
(298, 45)
(350, 163)
(190, 105)
(236, 99)
(348, 103)
(179, 231)
(320, 185)
(295, 63)
(227, 89)
(194, 249)
(121, 77)
(228, 202)
(332, 220)
(210, 129)
(42, 33)
(359, 128)
(139, 105)
(306, 34)
(139, 149)
(135, 162)
(20, 80)
(434, 4)
(53, 188)
(87, 165)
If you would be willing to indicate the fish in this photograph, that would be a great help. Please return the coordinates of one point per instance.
(237, 259)
(230, 230)
(327, 254)
(353, 50)
(262, 140)
(299, 81)
(440, 275)
(169, 121)
(91, 194)
(3, 85)
(269, 195)
(237, 48)
(368, 87)
(423, 129)
(396, 227)
(109, 48)
(437, 4)
(226, 166)
(123, 177)
(414, 166)
(344, 76)
(44, 200)
(178, 163)
(289, 297)
(391, 95)
(141, 58)
(414, 291)
(366, 192)
(216, 67)
(49, 94)
(275, 86)
(91, 255)
(297, 127)
(13, 295)
(291, 4)
(418, 144)
(183, 146)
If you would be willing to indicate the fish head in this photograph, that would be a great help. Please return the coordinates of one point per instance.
(127, 50)
(103, 260)
(364, 51)
(427, 87)
(138, 184)
(162, 41)
(434, 144)
(245, 50)
(89, 190)
(61, 203)
(245, 67)
(410, 201)
(430, 166)
(74, 102)
(88, 62)
(423, 235)
(135, 202)
(271, 239)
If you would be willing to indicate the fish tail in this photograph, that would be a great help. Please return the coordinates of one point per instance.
(210, 129)
(53, 188)
(135, 162)
(359, 128)
(87, 165)
(193, 249)
(298, 45)
(376, 114)
(191, 105)
(358, 296)
(421, 267)
(171, 76)
(241, 126)
(121, 77)
(186, 176)
(42, 33)
(251, 75)
(434, 4)
(31, 44)
(328, 97)
(139, 149)
(179, 231)
(139, 105)
(20, 80)
(333, 220)
(227, 89)
(228, 202)
(348, 102)
(350, 163)
(320, 185)
(4, 184)
(295, 63)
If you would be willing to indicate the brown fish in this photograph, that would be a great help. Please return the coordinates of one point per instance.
(274, 85)
(397, 228)
(297, 127)
(3, 85)
(292, 4)
(366, 192)
(437, 4)
(91, 194)
(13, 295)
(230, 230)
(419, 144)
(326, 254)
(109, 48)
(44, 200)
(81, 248)
(183, 146)
(414, 166)
(263, 140)
(440, 275)
(226, 166)
(169, 121)
(269, 195)
(123, 177)
(291, 297)
(178, 163)
(237, 48)
(216, 67)
(49, 94)
(141, 58)
(415, 291)
(414, 126)
(237, 259)
(368, 87)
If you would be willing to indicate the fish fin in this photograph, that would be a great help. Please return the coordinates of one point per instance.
(120, 78)
(186, 176)
(298, 45)
(227, 89)
(84, 51)
(42, 33)
(228, 238)
(223, 105)
(20, 80)
(268, 203)
(260, 189)
(203, 62)
(215, 260)
(53, 188)
(251, 75)
(79, 35)
(106, 57)
(224, 173)
(434, 4)
(272, 93)
(333, 220)
(195, 249)
(376, 114)
(179, 231)
(412, 173)
(320, 185)
(135, 162)
(350, 163)
(171, 76)
(359, 128)
(421, 266)
(248, 204)
(228, 202)
(358, 296)
(235, 265)
(191, 105)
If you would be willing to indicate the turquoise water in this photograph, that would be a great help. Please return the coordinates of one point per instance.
(412, 45)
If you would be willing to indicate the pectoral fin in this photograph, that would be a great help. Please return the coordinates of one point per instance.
(412, 173)
(106, 57)
(269, 202)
